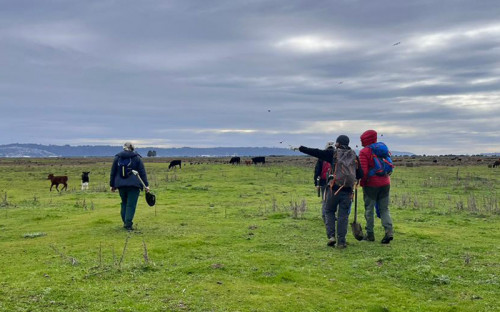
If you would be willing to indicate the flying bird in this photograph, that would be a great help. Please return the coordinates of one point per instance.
(268, 110)
(341, 82)
(397, 43)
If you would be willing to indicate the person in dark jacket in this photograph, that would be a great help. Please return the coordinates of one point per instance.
(375, 191)
(320, 179)
(337, 197)
(128, 185)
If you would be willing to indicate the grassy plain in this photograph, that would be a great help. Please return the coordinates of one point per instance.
(234, 238)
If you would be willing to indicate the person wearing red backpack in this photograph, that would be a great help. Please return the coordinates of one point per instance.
(321, 176)
(376, 189)
(339, 191)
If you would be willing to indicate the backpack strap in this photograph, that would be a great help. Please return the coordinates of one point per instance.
(334, 170)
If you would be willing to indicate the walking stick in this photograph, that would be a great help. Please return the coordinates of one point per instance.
(150, 197)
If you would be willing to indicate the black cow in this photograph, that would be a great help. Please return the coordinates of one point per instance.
(257, 160)
(235, 160)
(496, 163)
(85, 180)
(174, 163)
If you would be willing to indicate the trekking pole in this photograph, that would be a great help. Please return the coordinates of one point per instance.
(150, 197)
(318, 186)
(136, 173)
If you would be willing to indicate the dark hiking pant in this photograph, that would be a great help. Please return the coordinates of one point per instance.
(379, 196)
(129, 196)
(342, 203)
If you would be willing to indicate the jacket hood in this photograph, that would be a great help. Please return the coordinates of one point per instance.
(127, 154)
(368, 137)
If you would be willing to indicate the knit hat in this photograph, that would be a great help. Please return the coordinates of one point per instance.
(329, 145)
(343, 140)
(128, 146)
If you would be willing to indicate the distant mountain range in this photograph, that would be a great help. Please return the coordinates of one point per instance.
(490, 154)
(37, 150)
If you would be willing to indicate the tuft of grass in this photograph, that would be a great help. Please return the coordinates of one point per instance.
(34, 235)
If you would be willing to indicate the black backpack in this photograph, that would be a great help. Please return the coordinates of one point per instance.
(125, 167)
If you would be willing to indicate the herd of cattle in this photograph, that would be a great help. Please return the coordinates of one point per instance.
(233, 161)
(56, 180)
(255, 161)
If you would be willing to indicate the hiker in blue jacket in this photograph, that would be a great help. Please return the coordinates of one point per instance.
(128, 185)
(337, 196)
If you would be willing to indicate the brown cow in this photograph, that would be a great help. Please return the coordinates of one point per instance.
(248, 162)
(56, 180)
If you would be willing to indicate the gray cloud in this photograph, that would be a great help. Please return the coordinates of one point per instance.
(195, 73)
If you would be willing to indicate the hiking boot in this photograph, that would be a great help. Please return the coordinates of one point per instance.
(387, 239)
(128, 228)
(342, 246)
(369, 237)
(331, 242)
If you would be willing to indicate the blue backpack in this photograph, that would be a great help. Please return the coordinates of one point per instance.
(125, 167)
(382, 160)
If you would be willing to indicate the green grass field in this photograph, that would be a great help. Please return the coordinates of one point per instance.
(234, 238)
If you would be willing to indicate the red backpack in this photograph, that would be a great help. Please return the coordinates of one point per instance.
(325, 169)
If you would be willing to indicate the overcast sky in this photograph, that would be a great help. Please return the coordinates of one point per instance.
(425, 74)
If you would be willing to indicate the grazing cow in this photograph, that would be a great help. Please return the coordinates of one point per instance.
(235, 160)
(257, 160)
(496, 164)
(174, 163)
(56, 180)
(435, 161)
(248, 162)
(85, 180)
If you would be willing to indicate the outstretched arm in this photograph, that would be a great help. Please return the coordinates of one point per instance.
(326, 155)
